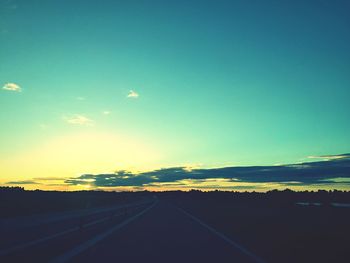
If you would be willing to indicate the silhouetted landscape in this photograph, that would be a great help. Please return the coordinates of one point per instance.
(276, 226)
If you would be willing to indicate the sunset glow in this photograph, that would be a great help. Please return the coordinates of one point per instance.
(90, 88)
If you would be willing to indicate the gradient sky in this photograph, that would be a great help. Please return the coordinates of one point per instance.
(100, 86)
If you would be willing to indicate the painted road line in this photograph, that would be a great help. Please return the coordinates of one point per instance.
(222, 236)
(35, 242)
(19, 247)
(107, 218)
(37, 220)
(92, 242)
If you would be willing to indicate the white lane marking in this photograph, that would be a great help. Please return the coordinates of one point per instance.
(11, 250)
(90, 243)
(37, 220)
(35, 242)
(228, 240)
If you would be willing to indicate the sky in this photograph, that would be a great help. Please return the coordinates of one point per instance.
(133, 87)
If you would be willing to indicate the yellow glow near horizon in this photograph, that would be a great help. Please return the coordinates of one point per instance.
(75, 154)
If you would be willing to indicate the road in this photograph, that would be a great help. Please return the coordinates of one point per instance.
(24, 232)
(163, 234)
(154, 233)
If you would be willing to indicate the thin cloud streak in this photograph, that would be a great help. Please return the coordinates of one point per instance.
(328, 157)
(22, 182)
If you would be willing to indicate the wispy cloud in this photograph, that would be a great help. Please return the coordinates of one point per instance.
(106, 112)
(49, 178)
(12, 87)
(81, 98)
(133, 94)
(22, 182)
(330, 157)
(78, 119)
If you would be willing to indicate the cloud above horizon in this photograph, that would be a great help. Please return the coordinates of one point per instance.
(22, 182)
(78, 119)
(333, 171)
(12, 87)
(133, 94)
(329, 157)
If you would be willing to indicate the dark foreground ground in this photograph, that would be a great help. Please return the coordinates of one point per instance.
(174, 227)
(279, 226)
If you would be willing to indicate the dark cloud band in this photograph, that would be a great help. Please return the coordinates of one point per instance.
(310, 173)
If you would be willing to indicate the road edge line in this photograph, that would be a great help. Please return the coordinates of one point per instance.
(222, 236)
(21, 246)
(86, 245)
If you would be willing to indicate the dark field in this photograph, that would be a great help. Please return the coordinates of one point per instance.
(278, 226)
(274, 227)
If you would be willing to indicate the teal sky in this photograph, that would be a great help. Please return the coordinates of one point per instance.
(218, 82)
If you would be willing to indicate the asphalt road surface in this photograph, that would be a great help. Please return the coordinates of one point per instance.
(158, 232)
(164, 234)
